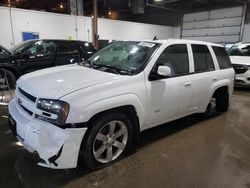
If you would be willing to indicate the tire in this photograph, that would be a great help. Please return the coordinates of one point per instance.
(11, 78)
(222, 101)
(101, 146)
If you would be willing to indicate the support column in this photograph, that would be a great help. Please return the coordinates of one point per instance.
(95, 25)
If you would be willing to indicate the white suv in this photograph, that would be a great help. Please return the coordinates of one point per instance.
(97, 109)
(240, 57)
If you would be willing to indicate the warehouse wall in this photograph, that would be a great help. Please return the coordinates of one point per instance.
(59, 26)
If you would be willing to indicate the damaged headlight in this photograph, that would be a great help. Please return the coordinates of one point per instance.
(55, 111)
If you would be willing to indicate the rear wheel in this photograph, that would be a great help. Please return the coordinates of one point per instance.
(108, 139)
(222, 101)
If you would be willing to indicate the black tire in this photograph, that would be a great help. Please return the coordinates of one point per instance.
(97, 125)
(222, 101)
(11, 78)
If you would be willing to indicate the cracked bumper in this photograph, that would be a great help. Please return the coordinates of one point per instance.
(243, 79)
(59, 148)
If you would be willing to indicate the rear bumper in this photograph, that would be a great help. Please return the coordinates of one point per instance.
(58, 148)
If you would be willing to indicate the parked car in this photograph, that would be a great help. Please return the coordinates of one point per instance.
(33, 55)
(95, 110)
(240, 57)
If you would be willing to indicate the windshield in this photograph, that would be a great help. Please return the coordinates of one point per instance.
(123, 57)
(239, 50)
(21, 46)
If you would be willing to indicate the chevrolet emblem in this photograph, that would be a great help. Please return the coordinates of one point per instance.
(19, 101)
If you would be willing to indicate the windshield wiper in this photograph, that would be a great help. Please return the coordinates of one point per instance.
(115, 69)
(85, 63)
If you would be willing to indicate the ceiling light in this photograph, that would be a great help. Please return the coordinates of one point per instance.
(61, 6)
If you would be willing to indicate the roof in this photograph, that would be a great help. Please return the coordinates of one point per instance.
(184, 41)
(57, 40)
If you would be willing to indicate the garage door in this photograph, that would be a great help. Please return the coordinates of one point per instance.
(219, 26)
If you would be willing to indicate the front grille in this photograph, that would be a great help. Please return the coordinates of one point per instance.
(240, 69)
(24, 93)
(26, 110)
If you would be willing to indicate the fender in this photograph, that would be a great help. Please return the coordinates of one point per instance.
(217, 85)
(10, 68)
(84, 115)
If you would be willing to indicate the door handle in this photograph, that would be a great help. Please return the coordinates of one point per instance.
(215, 79)
(188, 84)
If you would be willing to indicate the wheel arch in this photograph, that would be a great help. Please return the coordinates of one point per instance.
(217, 87)
(13, 70)
(128, 110)
(220, 89)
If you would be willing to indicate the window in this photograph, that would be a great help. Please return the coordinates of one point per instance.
(239, 50)
(176, 58)
(41, 47)
(202, 58)
(69, 47)
(222, 57)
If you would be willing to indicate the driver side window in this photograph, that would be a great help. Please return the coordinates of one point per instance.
(176, 58)
(41, 47)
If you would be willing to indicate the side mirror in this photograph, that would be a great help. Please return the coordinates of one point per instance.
(164, 71)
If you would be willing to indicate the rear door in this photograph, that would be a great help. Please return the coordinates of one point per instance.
(68, 52)
(203, 77)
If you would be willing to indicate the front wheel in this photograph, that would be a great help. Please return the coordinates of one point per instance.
(108, 139)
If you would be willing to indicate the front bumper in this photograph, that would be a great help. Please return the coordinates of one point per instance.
(58, 148)
(243, 79)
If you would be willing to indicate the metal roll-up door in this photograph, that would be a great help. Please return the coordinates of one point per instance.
(220, 26)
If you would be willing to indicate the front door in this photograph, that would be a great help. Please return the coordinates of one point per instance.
(39, 55)
(170, 97)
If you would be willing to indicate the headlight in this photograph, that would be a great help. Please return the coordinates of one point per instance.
(56, 111)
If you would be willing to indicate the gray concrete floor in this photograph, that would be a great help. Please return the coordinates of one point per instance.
(198, 151)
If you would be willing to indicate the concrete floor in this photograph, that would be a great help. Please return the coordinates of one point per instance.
(197, 151)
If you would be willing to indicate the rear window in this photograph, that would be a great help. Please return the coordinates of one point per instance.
(88, 46)
(222, 57)
(68, 47)
(202, 58)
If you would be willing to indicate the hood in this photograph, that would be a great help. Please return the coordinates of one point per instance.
(53, 83)
(240, 60)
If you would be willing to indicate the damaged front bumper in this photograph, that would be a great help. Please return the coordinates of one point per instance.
(57, 147)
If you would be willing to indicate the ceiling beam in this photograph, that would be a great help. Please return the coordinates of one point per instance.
(162, 7)
(164, 2)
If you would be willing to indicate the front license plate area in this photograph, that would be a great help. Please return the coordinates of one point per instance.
(12, 125)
